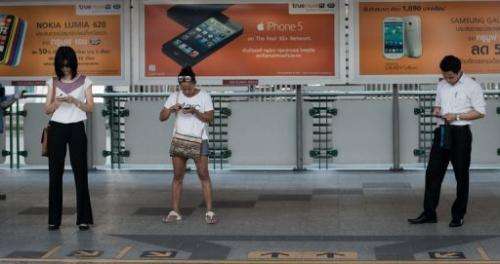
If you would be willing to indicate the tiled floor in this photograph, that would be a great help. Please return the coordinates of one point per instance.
(315, 215)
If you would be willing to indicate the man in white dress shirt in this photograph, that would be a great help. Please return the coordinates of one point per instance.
(459, 100)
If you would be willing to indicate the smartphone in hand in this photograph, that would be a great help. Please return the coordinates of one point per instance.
(61, 97)
(187, 109)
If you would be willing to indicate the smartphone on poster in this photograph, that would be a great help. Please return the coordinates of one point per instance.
(393, 37)
(7, 30)
(191, 15)
(413, 36)
(197, 43)
(17, 48)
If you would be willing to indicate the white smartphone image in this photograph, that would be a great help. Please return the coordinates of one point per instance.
(393, 37)
(413, 36)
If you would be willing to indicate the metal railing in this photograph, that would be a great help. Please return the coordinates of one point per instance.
(14, 112)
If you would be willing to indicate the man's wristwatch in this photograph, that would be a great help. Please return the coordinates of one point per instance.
(458, 117)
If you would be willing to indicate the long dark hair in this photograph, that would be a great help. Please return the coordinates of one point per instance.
(65, 53)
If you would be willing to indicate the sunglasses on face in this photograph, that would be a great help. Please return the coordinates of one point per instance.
(184, 79)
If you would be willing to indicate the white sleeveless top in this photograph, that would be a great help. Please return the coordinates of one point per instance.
(69, 113)
(188, 124)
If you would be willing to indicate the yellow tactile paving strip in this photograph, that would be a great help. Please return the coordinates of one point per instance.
(20, 260)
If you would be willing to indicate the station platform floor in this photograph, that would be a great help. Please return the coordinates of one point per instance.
(265, 216)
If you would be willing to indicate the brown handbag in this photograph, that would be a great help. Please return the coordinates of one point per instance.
(45, 141)
(46, 130)
(185, 146)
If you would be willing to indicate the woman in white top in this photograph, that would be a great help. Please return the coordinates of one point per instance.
(194, 110)
(69, 99)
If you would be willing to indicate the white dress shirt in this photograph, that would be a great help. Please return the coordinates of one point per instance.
(466, 95)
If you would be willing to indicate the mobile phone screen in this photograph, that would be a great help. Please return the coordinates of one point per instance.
(6, 22)
(204, 37)
(393, 37)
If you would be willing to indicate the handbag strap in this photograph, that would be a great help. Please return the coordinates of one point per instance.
(176, 114)
(53, 90)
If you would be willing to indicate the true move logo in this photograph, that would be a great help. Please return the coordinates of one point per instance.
(98, 9)
(312, 7)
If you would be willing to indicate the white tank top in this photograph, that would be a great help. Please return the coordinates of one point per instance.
(69, 113)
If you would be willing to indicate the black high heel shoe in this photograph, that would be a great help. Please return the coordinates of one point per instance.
(53, 227)
(83, 227)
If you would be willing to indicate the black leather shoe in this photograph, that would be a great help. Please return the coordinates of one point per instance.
(53, 227)
(456, 222)
(83, 227)
(422, 219)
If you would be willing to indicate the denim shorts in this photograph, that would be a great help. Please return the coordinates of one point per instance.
(204, 148)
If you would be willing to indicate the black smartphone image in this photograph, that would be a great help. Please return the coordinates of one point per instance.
(197, 43)
(190, 16)
(6, 26)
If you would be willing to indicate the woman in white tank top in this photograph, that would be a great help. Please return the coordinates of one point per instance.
(193, 109)
(69, 99)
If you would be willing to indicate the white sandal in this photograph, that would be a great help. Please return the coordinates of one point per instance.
(173, 216)
(211, 218)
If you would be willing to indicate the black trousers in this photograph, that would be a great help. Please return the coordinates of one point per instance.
(459, 153)
(61, 135)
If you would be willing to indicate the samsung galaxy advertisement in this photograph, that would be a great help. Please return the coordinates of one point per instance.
(241, 40)
(410, 38)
